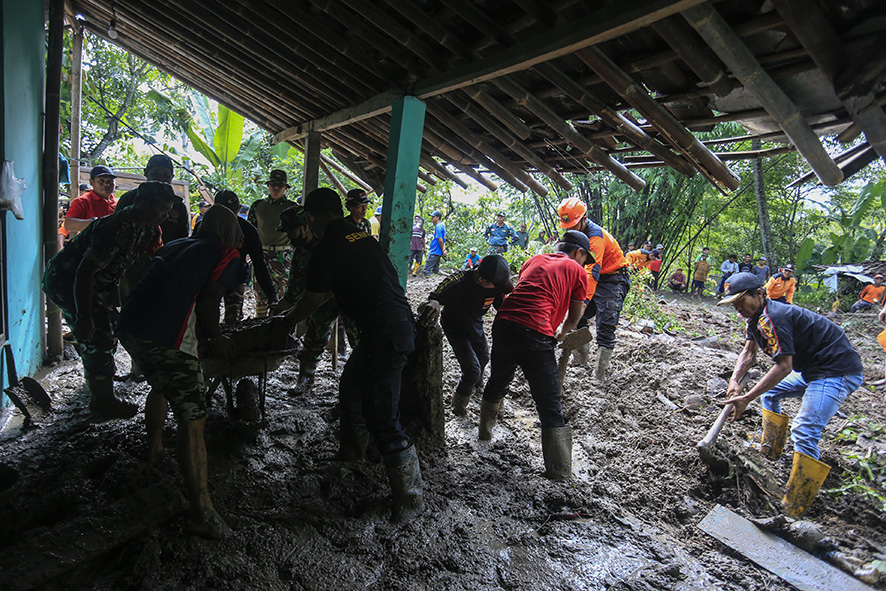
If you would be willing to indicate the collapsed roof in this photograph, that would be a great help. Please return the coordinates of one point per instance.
(522, 86)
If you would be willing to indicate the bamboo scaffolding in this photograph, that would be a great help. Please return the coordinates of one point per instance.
(732, 51)
(812, 29)
(567, 131)
(507, 139)
(666, 124)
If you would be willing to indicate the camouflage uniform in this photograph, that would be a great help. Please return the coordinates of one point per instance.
(112, 243)
(264, 214)
(171, 373)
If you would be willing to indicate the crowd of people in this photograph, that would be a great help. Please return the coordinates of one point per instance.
(136, 271)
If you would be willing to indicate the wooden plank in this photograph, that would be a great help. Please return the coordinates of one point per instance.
(608, 22)
(798, 568)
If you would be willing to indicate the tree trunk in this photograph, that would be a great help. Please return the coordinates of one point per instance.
(113, 133)
(762, 205)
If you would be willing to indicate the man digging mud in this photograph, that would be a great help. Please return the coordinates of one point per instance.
(168, 321)
(465, 297)
(350, 265)
(813, 361)
(524, 334)
(83, 278)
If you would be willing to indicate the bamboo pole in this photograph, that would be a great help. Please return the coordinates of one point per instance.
(733, 52)
(705, 160)
(333, 179)
(694, 53)
(816, 34)
(76, 103)
(507, 139)
(499, 111)
(565, 129)
(627, 128)
(426, 178)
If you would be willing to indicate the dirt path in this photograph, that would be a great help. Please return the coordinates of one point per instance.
(626, 521)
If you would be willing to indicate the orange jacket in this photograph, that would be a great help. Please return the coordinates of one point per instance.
(778, 286)
(638, 259)
(872, 294)
(608, 257)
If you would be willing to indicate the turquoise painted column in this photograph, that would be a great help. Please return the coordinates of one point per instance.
(401, 176)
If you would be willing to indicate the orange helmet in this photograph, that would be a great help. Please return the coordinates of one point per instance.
(571, 211)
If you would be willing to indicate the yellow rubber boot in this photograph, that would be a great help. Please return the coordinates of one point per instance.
(775, 432)
(807, 476)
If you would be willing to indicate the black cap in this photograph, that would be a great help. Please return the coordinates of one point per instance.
(160, 161)
(229, 199)
(278, 176)
(495, 268)
(323, 199)
(101, 170)
(155, 190)
(577, 238)
(292, 218)
(788, 267)
(737, 285)
(437, 214)
(357, 196)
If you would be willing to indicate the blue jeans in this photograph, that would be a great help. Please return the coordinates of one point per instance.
(821, 399)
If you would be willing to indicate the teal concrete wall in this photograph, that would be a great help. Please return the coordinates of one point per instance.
(23, 68)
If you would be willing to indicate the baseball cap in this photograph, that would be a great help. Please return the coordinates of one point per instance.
(761, 258)
(323, 199)
(357, 196)
(291, 218)
(659, 247)
(738, 284)
(788, 267)
(278, 176)
(501, 213)
(160, 161)
(878, 276)
(495, 268)
(436, 213)
(228, 198)
(101, 170)
(577, 238)
(154, 190)
(378, 210)
(473, 249)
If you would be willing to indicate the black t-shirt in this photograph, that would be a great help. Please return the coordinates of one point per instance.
(356, 268)
(746, 267)
(464, 301)
(820, 347)
(176, 225)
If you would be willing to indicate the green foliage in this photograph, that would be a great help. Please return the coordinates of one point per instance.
(642, 303)
(865, 473)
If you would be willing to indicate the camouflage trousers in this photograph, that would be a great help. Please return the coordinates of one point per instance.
(319, 331)
(173, 374)
(279, 263)
(96, 352)
(234, 304)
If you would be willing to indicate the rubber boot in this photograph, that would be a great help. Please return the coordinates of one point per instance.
(404, 473)
(556, 448)
(460, 405)
(580, 355)
(353, 438)
(604, 356)
(104, 404)
(775, 432)
(488, 417)
(807, 476)
(305, 381)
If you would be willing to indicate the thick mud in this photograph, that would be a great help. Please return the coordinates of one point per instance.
(88, 512)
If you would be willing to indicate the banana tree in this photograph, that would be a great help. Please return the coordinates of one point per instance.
(219, 138)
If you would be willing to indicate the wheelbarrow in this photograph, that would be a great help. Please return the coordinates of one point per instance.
(253, 358)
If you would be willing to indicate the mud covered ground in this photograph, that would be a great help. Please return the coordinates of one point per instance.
(88, 513)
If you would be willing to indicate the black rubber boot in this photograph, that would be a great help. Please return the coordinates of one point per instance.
(556, 448)
(460, 405)
(104, 405)
(404, 473)
(353, 438)
(305, 378)
(488, 417)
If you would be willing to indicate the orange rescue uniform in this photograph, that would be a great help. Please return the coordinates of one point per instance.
(608, 257)
(778, 286)
(872, 294)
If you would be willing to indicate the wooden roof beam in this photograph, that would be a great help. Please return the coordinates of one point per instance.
(613, 118)
(604, 23)
(694, 53)
(734, 53)
(441, 171)
(812, 29)
(499, 111)
(507, 139)
(476, 141)
(567, 131)
(666, 124)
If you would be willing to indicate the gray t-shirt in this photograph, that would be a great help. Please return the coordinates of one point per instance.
(761, 272)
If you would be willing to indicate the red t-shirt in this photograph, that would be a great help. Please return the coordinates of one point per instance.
(655, 266)
(547, 284)
(89, 205)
